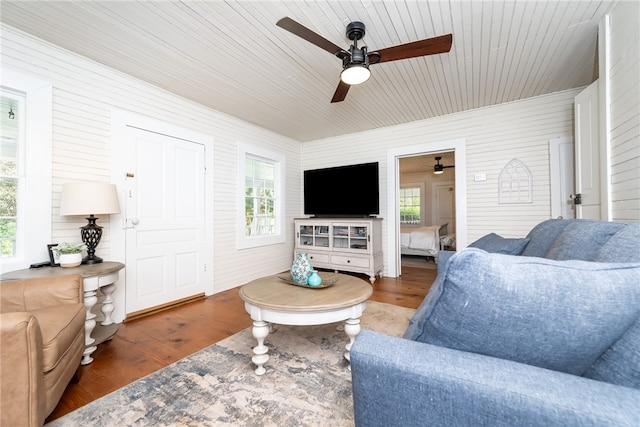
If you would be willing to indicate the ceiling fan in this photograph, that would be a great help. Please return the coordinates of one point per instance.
(438, 168)
(356, 60)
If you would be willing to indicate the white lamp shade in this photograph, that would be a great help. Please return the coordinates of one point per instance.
(355, 74)
(89, 198)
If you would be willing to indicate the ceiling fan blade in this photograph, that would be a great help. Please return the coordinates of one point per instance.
(431, 46)
(341, 92)
(305, 33)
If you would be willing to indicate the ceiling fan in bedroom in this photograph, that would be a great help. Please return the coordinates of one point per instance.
(439, 168)
(356, 60)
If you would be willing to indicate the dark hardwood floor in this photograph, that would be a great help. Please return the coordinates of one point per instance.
(147, 344)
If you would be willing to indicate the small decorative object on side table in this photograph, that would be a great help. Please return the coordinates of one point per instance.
(70, 254)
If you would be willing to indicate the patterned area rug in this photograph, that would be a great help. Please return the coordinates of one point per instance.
(307, 382)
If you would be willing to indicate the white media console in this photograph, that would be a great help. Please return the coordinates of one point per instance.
(347, 244)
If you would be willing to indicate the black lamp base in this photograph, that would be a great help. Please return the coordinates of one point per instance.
(88, 261)
(91, 235)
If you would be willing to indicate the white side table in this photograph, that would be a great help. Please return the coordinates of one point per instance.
(101, 276)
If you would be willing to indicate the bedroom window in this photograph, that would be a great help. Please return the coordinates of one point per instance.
(410, 205)
(262, 197)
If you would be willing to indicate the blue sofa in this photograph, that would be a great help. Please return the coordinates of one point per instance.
(538, 331)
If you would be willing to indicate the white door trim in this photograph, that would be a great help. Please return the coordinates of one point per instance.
(393, 184)
(120, 120)
(604, 94)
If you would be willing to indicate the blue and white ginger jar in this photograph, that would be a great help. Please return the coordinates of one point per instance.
(301, 269)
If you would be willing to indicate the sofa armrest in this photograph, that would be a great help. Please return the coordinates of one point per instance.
(39, 292)
(398, 382)
(22, 400)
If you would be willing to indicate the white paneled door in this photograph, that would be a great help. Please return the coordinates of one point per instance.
(587, 154)
(562, 158)
(444, 205)
(165, 215)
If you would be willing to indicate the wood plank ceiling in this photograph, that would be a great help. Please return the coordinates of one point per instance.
(232, 57)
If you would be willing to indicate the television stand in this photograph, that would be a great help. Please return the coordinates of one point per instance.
(342, 244)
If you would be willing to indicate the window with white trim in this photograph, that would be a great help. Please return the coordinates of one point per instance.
(29, 181)
(261, 199)
(410, 202)
(12, 173)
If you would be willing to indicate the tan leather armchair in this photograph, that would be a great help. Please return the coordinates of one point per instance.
(41, 344)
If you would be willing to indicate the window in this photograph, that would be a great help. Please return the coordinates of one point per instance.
(259, 197)
(11, 172)
(410, 205)
(261, 174)
(25, 171)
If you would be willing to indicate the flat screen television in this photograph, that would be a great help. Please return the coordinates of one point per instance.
(343, 191)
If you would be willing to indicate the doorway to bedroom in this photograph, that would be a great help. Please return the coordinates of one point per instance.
(450, 209)
(426, 211)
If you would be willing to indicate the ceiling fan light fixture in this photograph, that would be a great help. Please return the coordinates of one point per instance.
(439, 168)
(356, 61)
(355, 74)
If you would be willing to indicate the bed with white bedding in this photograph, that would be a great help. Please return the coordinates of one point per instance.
(423, 241)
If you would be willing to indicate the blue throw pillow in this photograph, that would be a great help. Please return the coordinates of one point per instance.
(559, 315)
(622, 246)
(542, 236)
(583, 239)
(500, 245)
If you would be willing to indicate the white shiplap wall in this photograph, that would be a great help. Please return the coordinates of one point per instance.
(624, 75)
(494, 135)
(84, 92)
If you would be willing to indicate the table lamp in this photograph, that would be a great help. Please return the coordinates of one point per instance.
(89, 198)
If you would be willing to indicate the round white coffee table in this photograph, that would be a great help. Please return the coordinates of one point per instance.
(272, 300)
